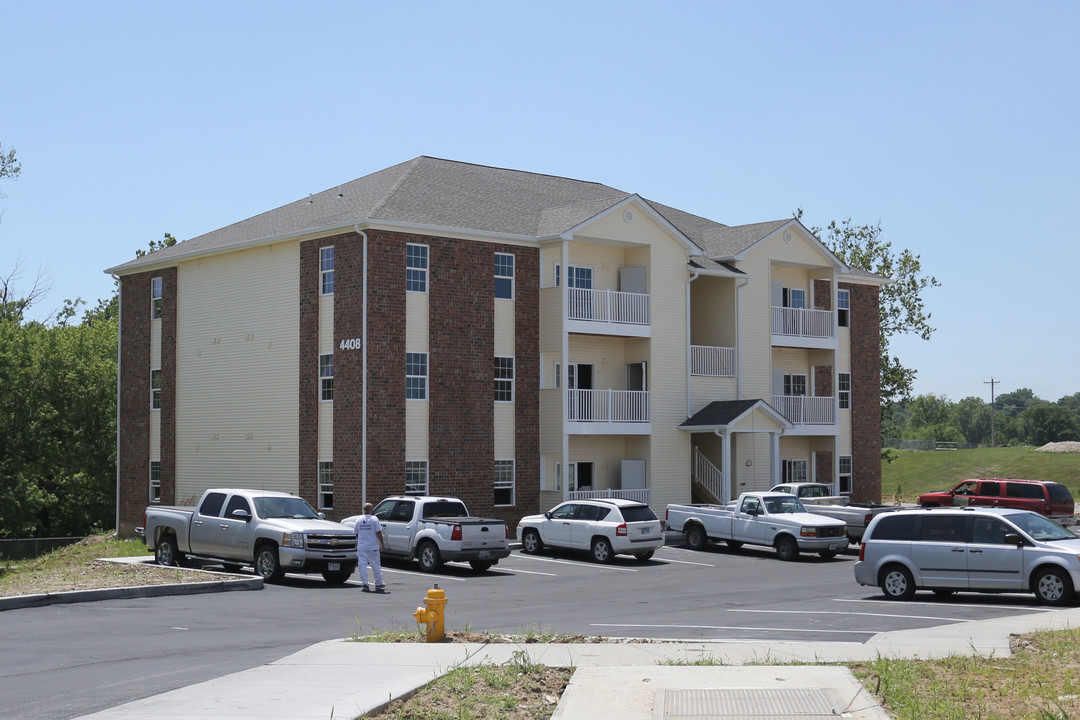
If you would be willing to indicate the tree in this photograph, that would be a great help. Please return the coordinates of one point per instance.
(9, 164)
(973, 420)
(902, 308)
(1015, 402)
(1047, 423)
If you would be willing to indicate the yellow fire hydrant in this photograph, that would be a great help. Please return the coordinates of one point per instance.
(433, 615)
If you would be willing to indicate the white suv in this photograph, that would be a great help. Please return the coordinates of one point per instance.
(973, 548)
(604, 528)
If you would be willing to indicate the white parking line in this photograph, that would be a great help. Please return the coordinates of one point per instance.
(687, 562)
(597, 566)
(736, 627)
(526, 572)
(1024, 608)
(419, 573)
(836, 612)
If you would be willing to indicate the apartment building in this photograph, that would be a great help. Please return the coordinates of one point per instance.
(510, 338)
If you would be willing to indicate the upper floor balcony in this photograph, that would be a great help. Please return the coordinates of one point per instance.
(712, 361)
(595, 412)
(608, 312)
(809, 414)
(803, 327)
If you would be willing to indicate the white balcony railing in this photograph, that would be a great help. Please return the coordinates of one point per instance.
(640, 495)
(608, 306)
(805, 409)
(622, 406)
(802, 322)
(712, 361)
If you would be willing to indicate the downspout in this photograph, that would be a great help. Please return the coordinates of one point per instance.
(738, 339)
(119, 345)
(689, 352)
(364, 380)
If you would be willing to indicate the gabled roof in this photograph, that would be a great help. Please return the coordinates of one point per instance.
(721, 414)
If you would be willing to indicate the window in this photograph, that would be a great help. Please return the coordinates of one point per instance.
(844, 390)
(237, 502)
(416, 268)
(504, 482)
(794, 298)
(416, 477)
(795, 384)
(844, 477)
(326, 271)
(155, 389)
(504, 379)
(155, 481)
(794, 471)
(416, 370)
(504, 276)
(843, 308)
(326, 377)
(897, 526)
(155, 297)
(326, 485)
(943, 528)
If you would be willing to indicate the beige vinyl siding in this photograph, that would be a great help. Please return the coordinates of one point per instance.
(505, 431)
(792, 360)
(237, 371)
(417, 437)
(755, 333)
(606, 452)
(416, 322)
(326, 325)
(155, 343)
(504, 328)
(752, 463)
(802, 250)
(326, 431)
(551, 421)
(155, 434)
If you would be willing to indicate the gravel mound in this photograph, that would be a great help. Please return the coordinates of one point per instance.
(1070, 446)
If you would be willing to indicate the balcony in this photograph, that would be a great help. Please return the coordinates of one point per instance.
(591, 412)
(640, 495)
(802, 327)
(712, 361)
(804, 410)
(608, 312)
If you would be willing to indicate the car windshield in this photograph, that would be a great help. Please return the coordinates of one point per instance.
(284, 507)
(778, 505)
(638, 513)
(1041, 528)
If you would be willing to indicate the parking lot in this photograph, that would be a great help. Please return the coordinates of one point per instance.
(109, 652)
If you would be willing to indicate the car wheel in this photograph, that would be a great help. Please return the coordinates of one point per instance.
(166, 552)
(897, 583)
(480, 565)
(1053, 587)
(267, 565)
(337, 577)
(786, 548)
(827, 554)
(734, 544)
(428, 555)
(644, 555)
(531, 542)
(601, 550)
(696, 538)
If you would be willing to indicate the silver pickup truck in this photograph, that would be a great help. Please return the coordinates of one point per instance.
(816, 498)
(435, 530)
(272, 531)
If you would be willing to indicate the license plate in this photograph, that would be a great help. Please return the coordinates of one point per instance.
(832, 546)
(485, 554)
(333, 567)
(645, 531)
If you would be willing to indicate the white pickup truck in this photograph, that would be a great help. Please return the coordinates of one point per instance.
(435, 530)
(272, 531)
(816, 496)
(771, 519)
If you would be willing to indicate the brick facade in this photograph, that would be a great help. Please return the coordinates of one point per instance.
(865, 392)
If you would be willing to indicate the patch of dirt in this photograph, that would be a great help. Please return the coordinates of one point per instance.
(1069, 446)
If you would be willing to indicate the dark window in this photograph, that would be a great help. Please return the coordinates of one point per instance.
(564, 512)
(236, 502)
(403, 511)
(588, 512)
(901, 526)
(1059, 493)
(504, 276)
(990, 489)
(384, 509)
(986, 530)
(444, 508)
(943, 528)
(1029, 491)
(211, 505)
(843, 308)
(638, 513)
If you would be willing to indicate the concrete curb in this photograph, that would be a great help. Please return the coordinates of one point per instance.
(123, 593)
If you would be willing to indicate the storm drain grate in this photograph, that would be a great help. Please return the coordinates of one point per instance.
(749, 704)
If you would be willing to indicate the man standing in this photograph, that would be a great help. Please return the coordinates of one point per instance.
(369, 543)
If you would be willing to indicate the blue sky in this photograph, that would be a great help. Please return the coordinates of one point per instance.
(953, 124)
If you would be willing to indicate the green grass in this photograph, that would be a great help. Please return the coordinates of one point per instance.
(916, 472)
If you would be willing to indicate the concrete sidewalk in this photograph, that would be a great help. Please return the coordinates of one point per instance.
(340, 679)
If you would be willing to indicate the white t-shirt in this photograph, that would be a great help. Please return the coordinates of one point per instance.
(366, 528)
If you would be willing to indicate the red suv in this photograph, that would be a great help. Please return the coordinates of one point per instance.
(1042, 496)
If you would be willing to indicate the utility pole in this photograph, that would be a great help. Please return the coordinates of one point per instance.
(991, 382)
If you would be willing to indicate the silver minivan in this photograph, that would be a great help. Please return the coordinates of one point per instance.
(981, 549)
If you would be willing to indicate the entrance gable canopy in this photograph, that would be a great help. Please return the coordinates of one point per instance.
(737, 416)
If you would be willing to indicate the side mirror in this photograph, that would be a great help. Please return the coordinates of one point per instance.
(1013, 539)
(241, 515)
(548, 514)
(322, 516)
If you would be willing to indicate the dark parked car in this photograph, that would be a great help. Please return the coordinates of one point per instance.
(1042, 496)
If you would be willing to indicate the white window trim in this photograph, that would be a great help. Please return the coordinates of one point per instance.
(324, 272)
(157, 285)
(425, 376)
(424, 271)
(325, 487)
(322, 378)
(788, 473)
(789, 382)
(512, 485)
(427, 477)
(840, 475)
(841, 393)
(510, 277)
(155, 484)
(512, 380)
(155, 391)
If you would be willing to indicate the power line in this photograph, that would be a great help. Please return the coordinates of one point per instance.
(991, 382)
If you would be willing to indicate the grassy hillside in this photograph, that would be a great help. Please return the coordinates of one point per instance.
(918, 472)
